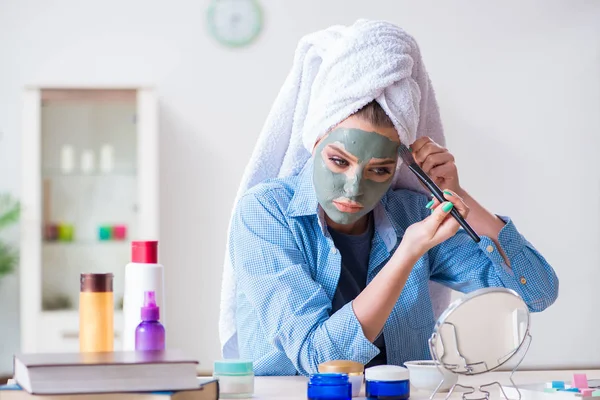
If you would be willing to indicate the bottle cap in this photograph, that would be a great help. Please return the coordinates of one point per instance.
(150, 311)
(342, 366)
(96, 282)
(144, 252)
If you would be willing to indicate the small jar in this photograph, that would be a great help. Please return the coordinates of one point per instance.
(104, 232)
(65, 232)
(119, 232)
(329, 386)
(390, 382)
(353, 369)
(236, 378)
(51, 232)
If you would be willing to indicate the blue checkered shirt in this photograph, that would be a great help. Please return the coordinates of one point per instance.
(287, 269)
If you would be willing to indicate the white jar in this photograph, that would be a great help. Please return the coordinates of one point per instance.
(353, 369)
(236, 378)
(426, 375)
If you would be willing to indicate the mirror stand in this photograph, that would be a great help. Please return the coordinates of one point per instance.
(470, 368)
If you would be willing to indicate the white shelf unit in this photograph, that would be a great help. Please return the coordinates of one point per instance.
(86, 117)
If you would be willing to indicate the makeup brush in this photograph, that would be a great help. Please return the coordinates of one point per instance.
(409, 160)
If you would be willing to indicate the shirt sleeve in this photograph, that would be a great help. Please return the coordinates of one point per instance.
(293, 309)
(464, 265)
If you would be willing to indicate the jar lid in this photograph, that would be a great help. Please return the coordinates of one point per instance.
(387, 373)
(342, 366)
(233, 367)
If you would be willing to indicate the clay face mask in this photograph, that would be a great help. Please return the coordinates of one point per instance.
(348, 176)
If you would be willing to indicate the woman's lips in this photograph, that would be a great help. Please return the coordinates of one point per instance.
(347, 206)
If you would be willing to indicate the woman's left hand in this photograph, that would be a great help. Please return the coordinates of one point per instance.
(437, 162)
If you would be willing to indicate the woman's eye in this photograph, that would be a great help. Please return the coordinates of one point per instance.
(339, 161)
(381, 171)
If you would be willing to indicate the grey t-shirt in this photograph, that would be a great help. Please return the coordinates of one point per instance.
(355, 251)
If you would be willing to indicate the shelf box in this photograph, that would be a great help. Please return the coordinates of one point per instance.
(90, 160)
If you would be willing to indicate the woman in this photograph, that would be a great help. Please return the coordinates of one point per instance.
(333, 262)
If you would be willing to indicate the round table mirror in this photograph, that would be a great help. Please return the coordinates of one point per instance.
(481, 331)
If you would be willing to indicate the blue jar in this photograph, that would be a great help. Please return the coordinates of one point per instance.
(387, 382)
(329, 386)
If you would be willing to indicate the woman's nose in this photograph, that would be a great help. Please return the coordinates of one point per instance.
(353, 185)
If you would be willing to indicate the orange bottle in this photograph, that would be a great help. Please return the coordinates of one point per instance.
(96, 313)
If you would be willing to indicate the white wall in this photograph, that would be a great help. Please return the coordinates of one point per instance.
(518, 83)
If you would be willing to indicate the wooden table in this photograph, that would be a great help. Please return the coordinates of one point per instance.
(294, 387)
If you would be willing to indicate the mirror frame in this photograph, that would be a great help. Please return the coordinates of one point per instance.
(464, 299)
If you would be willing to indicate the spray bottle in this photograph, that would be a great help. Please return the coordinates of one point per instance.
(142, 274)
(150, 334)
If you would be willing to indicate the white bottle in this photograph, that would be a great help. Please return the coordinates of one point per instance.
(107, 158)
(87, 161)
(142, 274)
(67, 159)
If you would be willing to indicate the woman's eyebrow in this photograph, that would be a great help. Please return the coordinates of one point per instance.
(343, 152)
(386, 161)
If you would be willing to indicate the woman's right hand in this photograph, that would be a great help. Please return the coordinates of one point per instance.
(374, 304)
(433, 230)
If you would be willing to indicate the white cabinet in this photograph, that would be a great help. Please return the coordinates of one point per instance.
(90, 185)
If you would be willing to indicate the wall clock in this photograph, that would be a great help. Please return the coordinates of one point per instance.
(235, 23)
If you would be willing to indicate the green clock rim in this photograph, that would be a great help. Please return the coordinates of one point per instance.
(235, 43)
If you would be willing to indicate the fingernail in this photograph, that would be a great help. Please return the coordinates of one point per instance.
(447, 206)
(449, 193)
(410, 149)
(428, 205)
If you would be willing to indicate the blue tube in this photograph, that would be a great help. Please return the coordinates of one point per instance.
(329, 387)
(388, 390)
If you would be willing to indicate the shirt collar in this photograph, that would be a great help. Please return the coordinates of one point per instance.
(304, 202)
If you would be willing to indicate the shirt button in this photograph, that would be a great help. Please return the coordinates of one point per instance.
(523, 280)
(490, 248)
(333, 250)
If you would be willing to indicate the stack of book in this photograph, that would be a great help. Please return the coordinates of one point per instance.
(148, 375)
